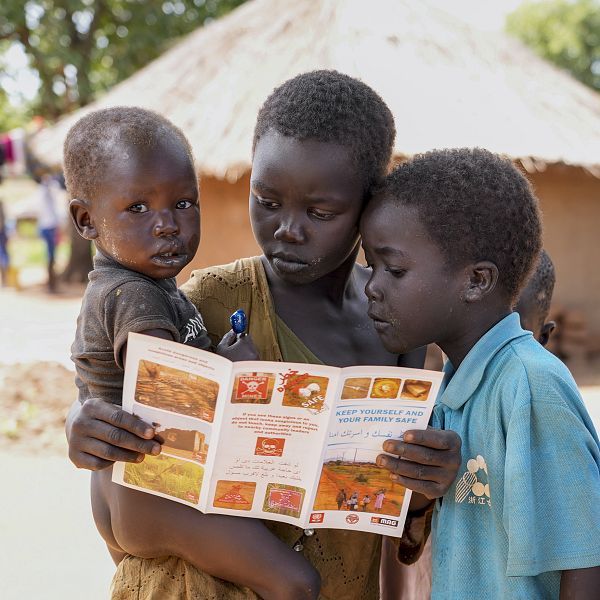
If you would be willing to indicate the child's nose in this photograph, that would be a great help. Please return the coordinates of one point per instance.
(290, 230)
(165, 224)
(371, 290)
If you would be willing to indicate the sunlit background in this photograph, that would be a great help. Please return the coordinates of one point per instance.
(519, 78)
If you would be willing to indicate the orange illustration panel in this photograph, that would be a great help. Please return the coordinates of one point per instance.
(304, 391)
(284, 499)
(356, 388)
(269, 446)
(253, 388)
(415, 389)
(385, 387)
(237, 495)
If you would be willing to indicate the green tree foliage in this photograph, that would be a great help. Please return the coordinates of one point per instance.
(81, 47)
(11, 116)
(566, 32)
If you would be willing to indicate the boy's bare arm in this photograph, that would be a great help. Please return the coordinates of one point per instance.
(580, 584)
(237, 549)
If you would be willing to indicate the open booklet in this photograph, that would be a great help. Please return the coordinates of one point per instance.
(273, 440)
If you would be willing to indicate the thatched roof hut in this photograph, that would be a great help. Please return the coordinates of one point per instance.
(447, 83)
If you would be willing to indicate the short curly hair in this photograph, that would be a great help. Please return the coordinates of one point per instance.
(475, 205)
(97, 138)
(541, 283)
(328, 106)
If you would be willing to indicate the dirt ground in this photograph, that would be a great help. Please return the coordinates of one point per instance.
(50, 549)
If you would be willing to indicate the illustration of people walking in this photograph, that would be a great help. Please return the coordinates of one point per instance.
(365, 502)
(379, 498)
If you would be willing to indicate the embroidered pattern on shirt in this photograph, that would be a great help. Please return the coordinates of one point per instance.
(193, 328)
(473, 486)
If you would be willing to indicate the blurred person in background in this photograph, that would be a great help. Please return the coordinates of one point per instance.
(49, 221)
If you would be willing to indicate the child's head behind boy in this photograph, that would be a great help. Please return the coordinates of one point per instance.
(131, 175)
(451, 237)
(533, 305)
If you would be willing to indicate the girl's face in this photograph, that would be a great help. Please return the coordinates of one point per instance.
(414, 296)
(305, 203)
(146, 214)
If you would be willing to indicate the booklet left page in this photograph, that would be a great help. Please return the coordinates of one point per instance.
(181, 391)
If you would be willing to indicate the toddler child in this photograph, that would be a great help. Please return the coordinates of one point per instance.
(451, 237)
(131, 175)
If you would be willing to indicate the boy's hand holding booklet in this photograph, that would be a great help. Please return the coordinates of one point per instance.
(273, 440)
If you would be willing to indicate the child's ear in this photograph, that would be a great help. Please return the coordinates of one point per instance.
(546, 331)
(482, 280)
(81, 217)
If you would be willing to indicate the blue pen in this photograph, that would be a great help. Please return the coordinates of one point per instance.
(239, 322)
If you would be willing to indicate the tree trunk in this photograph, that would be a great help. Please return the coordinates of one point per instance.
(80, 261)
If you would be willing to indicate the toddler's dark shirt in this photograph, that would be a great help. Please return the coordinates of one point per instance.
(117, 301)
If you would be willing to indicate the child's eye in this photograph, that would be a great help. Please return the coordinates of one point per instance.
(138, 208)
(396, 272)
(322, 215)
(184, 204)
(266, 203)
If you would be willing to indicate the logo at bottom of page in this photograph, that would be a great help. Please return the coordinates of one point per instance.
(384, 521)
(351, 519)
(317, 517)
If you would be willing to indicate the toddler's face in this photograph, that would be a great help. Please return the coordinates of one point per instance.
(413, 295)
(146, 213)
(305, 203)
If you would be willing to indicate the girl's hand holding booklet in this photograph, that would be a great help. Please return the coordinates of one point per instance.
(273, 440)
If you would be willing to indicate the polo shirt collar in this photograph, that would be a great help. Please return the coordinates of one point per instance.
(461, 384)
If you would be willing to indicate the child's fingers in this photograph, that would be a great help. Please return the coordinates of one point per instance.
(102, 433)
(438, 439)
(429, 489)
(115, 415)
(407, 468)
(229, 338)
(247, 342)
(94, 454)
(87, 461)
(99, 410)
(123, 440)
(423, 454)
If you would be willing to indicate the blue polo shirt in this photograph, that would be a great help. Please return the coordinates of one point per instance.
(526, 502)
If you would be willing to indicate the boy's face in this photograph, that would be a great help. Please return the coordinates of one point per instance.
(414, 296)
(532, 317)
(305, 202)
(146, 214)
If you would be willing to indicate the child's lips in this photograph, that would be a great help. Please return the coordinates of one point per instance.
(288, 263)
(378, 322)
(170, 259)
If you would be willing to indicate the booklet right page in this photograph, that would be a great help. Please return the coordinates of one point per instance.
(375, 404)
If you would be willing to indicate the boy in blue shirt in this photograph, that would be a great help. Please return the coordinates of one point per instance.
(451, 237)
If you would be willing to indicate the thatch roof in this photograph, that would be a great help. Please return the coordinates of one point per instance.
(447, 83)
